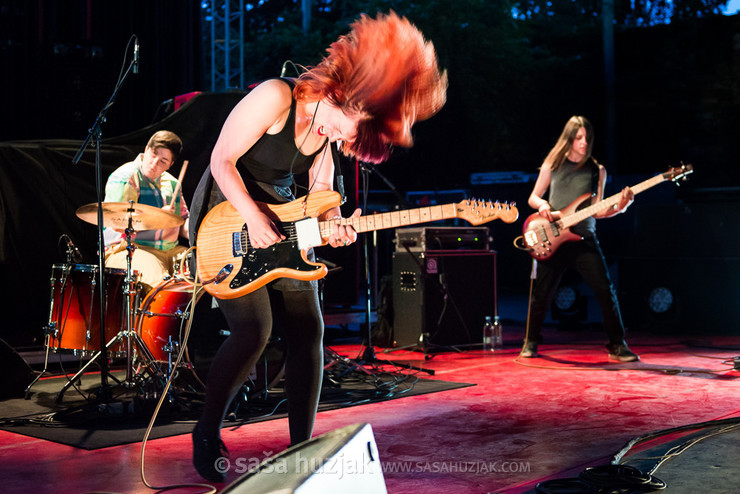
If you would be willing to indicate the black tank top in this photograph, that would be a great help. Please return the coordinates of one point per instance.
(274, 159)
(569, 182)
(267, 173)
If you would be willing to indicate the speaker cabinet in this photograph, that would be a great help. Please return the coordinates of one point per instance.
(16, 373)
(686, 295)
(445, 295)
(344, 460)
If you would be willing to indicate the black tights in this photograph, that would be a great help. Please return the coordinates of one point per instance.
(250, 320)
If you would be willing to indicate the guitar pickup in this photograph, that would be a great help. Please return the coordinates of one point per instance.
(239, 243)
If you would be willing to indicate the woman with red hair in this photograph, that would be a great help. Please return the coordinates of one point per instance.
(364, 96)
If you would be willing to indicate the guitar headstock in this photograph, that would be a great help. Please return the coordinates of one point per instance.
(679, 172)
(477, 212)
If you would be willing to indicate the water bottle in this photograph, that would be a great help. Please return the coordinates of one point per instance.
(498, 340)
(488, 335)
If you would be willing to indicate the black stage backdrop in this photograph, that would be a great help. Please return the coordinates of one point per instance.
(59, 63)
(40, 190)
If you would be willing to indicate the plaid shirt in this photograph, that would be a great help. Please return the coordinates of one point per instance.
(128, 183)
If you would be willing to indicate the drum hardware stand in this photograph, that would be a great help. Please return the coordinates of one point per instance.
(129, 333)
(51, 327)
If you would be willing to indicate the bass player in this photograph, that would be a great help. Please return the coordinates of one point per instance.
(568, 172)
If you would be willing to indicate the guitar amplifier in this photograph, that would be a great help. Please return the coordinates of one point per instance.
(444, 238)
(444, 295)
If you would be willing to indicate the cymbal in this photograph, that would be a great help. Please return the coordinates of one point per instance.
(116, 215)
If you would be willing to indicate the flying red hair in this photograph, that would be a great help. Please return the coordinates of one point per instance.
(386, 70)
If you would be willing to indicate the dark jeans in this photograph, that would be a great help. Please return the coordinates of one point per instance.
(586, 258)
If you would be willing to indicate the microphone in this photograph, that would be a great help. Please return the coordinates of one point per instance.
(136, 55)
(73, 253)
(283, 70)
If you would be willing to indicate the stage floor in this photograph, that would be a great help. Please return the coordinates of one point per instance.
(525, 421)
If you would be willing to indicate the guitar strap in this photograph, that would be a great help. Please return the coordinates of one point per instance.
(338, 177)
(594, 176)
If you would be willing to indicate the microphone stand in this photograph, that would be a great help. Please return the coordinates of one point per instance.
(95, 134)
(368, 354)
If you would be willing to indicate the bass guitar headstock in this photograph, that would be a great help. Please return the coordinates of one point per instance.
(679, 173)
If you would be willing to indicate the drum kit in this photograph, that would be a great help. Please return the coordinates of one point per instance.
(147, 329)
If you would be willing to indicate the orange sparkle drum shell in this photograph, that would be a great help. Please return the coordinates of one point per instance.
(162, 322)
(163, 316)
(74, 316)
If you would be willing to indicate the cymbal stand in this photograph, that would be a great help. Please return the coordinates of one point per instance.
(129, 332)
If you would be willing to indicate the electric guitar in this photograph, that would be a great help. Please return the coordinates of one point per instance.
(542, 237)
(229, 267)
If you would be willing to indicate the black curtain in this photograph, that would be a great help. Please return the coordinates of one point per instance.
(60, 62)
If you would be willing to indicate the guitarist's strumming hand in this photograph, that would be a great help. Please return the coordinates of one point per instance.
(262, 231)
(545, 210)
(342, 235)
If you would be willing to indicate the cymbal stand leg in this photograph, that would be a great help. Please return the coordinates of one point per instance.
(132, 337)
(82, 370)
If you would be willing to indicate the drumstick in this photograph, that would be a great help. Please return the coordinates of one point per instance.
(179, 182)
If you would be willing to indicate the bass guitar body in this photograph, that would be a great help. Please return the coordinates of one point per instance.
(544, 237)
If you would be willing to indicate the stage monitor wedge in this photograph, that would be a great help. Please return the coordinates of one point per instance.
(344, 460)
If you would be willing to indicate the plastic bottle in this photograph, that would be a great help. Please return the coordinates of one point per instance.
(498, 339)
(488, 335)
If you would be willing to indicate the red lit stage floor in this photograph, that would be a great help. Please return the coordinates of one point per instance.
(525, 421)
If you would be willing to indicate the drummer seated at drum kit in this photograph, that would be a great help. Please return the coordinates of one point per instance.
(145, 180)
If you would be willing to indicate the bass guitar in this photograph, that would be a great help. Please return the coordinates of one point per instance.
(229, 267)
(542, 237)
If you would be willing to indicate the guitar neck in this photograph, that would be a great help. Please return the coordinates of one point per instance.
(392, 219)
(605, 204)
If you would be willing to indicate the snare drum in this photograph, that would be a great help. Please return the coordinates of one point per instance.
(162, 321)
(74, 315)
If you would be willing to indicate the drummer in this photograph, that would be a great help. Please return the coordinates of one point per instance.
(145, 180)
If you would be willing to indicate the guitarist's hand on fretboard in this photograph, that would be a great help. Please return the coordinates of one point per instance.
(625, 199)
(342, 235)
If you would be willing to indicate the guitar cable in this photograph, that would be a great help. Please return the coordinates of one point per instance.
(183, 347)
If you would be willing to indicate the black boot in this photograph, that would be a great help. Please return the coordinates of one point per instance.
(206, 455)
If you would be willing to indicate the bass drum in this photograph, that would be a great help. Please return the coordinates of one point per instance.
(162, 322)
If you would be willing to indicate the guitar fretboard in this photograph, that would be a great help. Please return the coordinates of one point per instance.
(392, 219)
(605, 204)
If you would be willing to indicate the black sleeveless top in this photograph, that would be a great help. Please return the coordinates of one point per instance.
(569, 182)
(267, 169)
(274, 159)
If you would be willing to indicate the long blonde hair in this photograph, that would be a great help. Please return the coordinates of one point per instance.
(559, 152)
(385, 69)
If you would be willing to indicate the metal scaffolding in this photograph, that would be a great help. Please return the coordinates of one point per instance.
(226, 19)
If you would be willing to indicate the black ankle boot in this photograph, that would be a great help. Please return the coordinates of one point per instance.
(206, 454)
